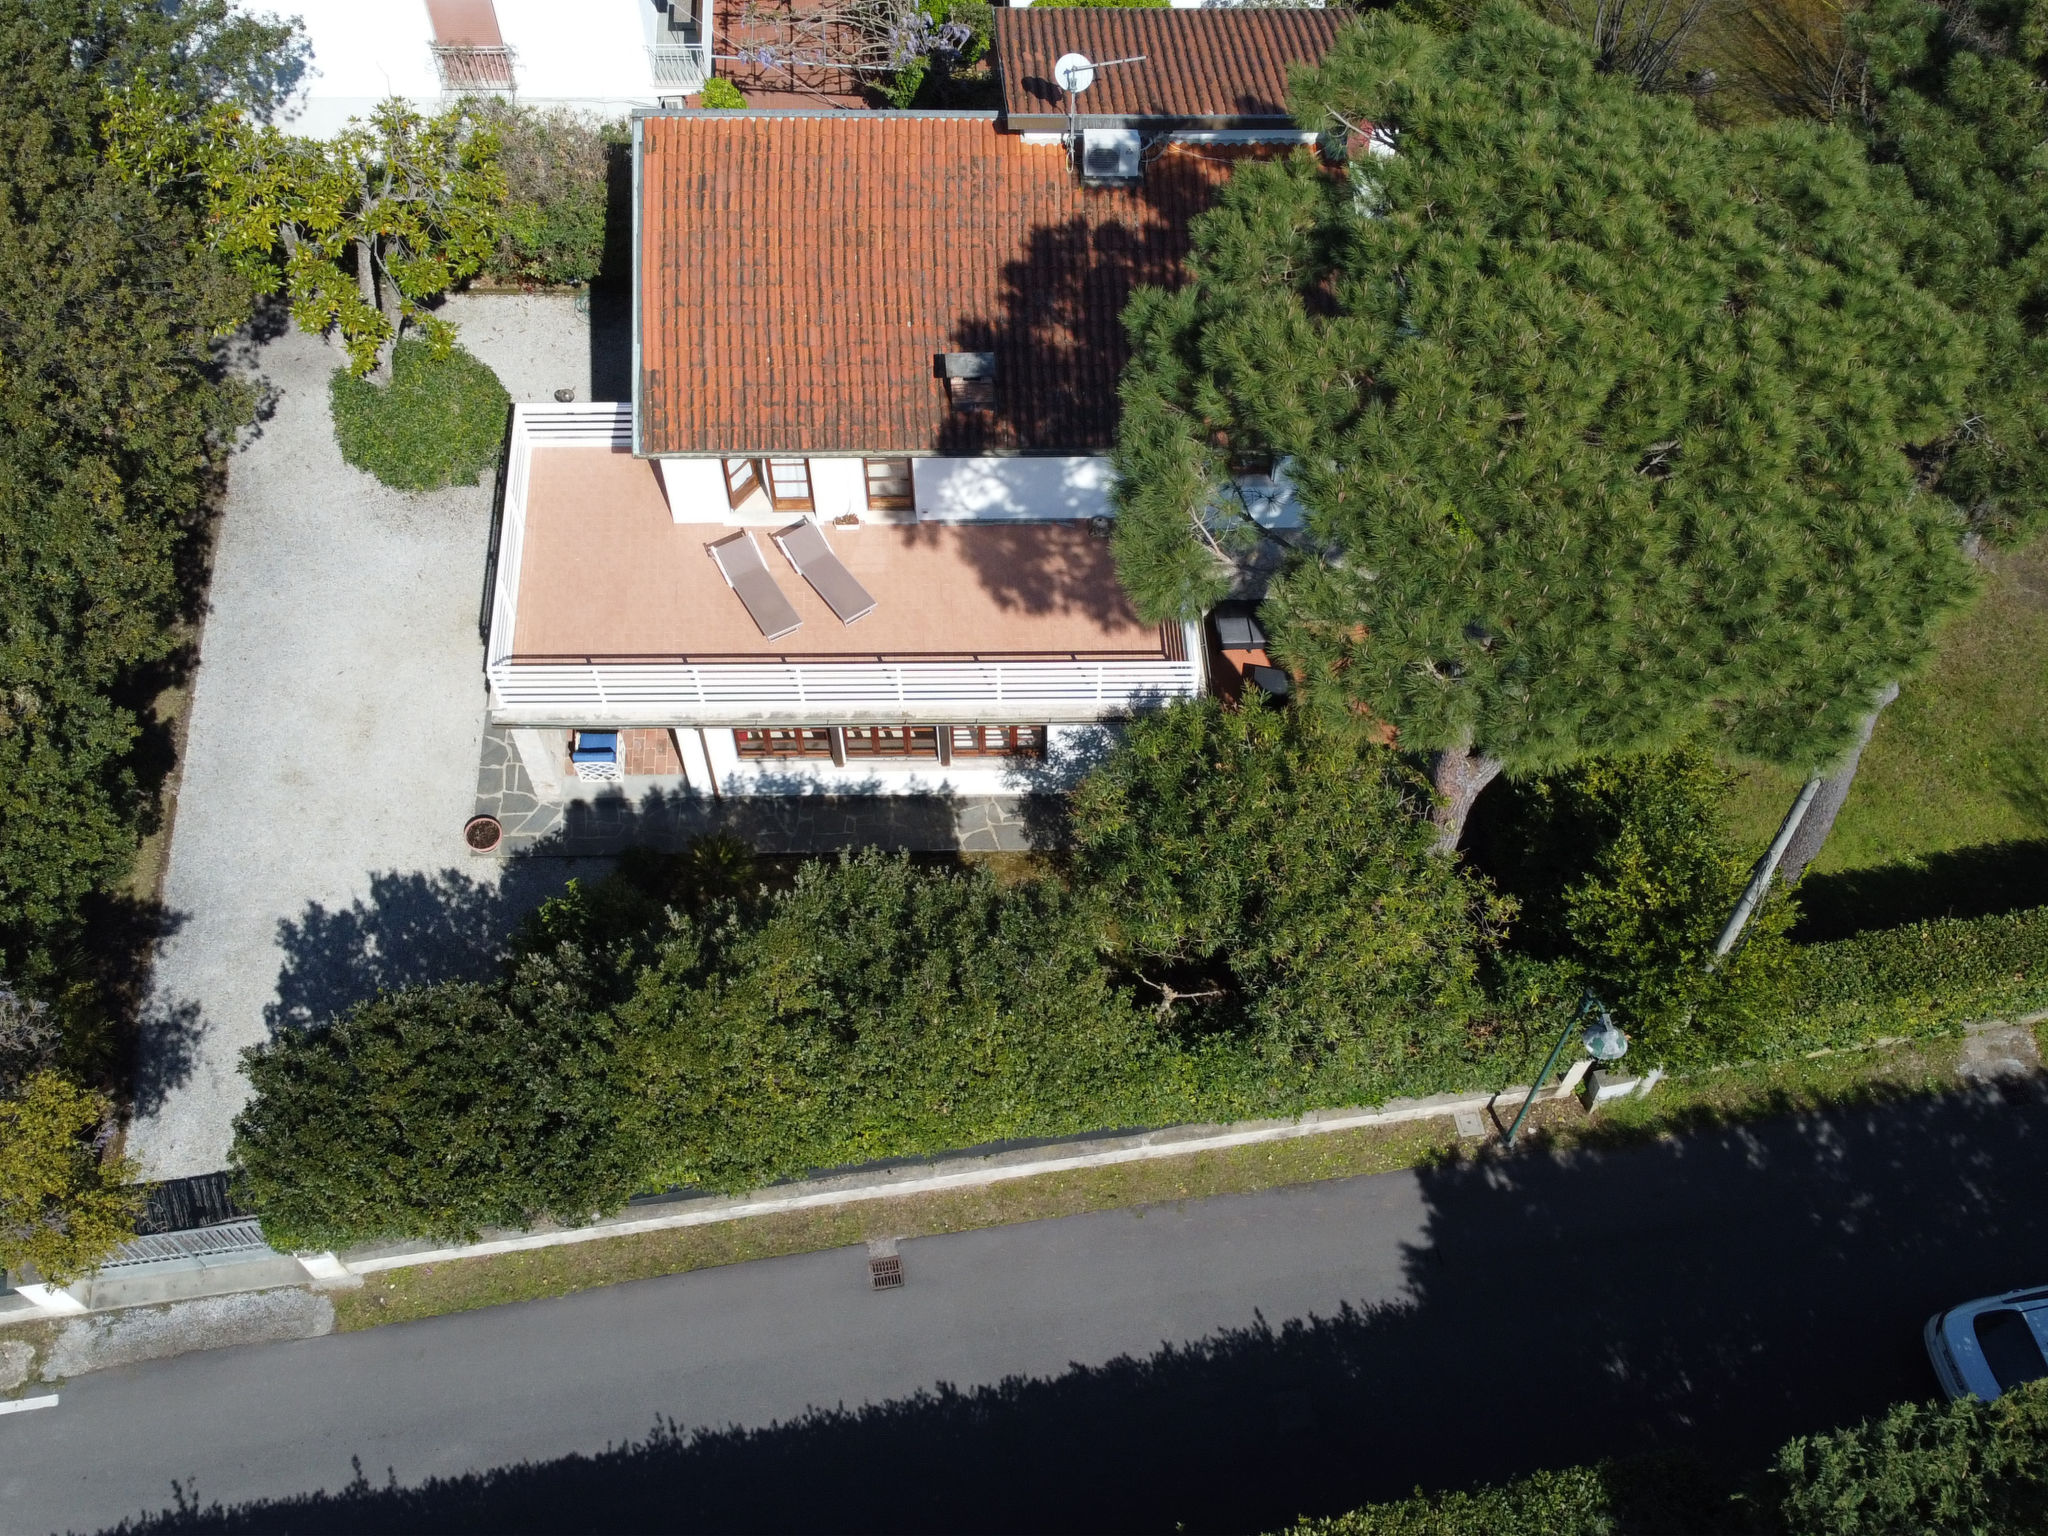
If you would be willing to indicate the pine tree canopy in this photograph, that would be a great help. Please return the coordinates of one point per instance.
(1602, 419)
(1962, 108)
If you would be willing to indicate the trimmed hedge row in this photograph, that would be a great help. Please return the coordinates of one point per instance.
(1923, 979)
(1922, 1470)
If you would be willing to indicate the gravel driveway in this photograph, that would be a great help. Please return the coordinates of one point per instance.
(336, 722)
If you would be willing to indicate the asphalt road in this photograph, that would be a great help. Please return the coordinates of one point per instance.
(1225, 1363)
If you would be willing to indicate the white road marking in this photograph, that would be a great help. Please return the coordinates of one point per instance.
(26, 1404)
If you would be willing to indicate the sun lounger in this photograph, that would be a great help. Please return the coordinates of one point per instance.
(739, 561)
(805, 545)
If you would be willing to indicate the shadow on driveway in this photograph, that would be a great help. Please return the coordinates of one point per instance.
(1712, 1294)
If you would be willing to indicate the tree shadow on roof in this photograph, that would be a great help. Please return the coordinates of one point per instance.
(1711, 1294)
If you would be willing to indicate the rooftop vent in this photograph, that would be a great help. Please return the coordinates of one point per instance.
(970, 379)
(1111, 157)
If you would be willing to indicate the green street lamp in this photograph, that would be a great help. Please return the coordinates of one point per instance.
(1602, 1037)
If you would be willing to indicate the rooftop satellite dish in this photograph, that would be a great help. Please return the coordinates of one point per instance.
(1073, 72)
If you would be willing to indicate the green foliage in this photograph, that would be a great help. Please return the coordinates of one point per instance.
(435, 1111)
(1573, 1502)
(557, 169)
(113, 421)
(1924, 1470)
(1949, 1469)
(1920, 979)
(441, 420)
(1275, 876)
(722, 93)
(63, 1207)
(411, 204)
(1961, 107)
(944, 76)
(1626, 871)
(1600, 417)
(879, 1010)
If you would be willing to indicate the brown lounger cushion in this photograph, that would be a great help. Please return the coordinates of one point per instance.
(739, 560)
(805, 545)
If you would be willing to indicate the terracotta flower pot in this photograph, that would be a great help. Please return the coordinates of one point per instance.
(482, 833)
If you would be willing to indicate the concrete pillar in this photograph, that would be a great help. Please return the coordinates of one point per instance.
(326, 1269)
(541, 754)
(1574, 1075)
(51, 1301)
(696, 764)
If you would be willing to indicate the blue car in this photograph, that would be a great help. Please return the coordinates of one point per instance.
(1987, 1347)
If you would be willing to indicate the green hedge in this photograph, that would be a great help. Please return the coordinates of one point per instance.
(1922, 979)
(1951, 1469)
(439, 422)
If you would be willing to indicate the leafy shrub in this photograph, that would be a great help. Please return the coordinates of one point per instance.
(879, 1010)
(1949, 1469)
(63, 1207)
(440, 421)
(721, 92)
(1924, 978)
(1923, 1470)
(1626, 872)
(435, 1111)
(557, 167)
(1266, 873)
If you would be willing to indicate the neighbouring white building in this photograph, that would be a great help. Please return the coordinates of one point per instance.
(851, 533)
(606, 57)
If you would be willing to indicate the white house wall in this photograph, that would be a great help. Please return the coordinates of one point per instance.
(1023, 490)
(1006, 490)
(1070, 750)
(590, 55)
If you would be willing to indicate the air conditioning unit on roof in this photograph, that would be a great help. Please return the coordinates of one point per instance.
(1111, 157)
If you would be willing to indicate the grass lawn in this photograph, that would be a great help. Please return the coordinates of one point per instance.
(441, 420)
(1961, 759)
(1700, 1102)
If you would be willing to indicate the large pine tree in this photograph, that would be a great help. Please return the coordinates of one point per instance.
(1603, 420)
(1961, 106)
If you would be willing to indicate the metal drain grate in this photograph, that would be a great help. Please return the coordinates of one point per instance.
(885, 1268)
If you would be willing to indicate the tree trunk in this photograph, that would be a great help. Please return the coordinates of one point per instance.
(1819, 820)
(374, 287)
(1459, 775)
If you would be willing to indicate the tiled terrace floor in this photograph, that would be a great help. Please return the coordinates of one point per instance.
(663, 812)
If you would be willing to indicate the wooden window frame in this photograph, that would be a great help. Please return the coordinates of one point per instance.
(886, 469)
(804, 503)
(734, 497)
(868, 743)
(783, 743)
(995, 741)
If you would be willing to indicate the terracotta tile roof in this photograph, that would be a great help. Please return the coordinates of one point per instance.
(1218, 68)
(800, 275)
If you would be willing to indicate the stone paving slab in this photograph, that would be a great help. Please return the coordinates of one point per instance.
(666, 813)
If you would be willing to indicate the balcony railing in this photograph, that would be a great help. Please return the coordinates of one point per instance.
(473, 67)
(679, 67)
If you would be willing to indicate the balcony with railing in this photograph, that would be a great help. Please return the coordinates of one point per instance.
(678, 67)
(605, 606)
(469, 68)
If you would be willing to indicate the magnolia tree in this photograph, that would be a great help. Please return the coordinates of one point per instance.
(357, 231)
(1603, 421)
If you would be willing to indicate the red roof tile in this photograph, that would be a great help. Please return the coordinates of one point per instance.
(800, 275)
(1217, 68)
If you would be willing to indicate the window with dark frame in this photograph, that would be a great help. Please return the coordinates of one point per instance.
(997, 740)
(890, 487)
(783, 741)
(891, 740)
